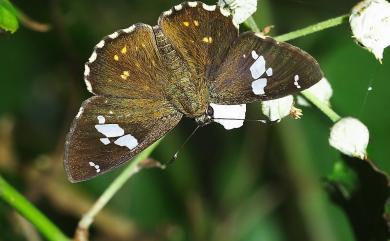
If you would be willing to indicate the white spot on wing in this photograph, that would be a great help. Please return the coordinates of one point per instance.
(254, 54)
(100, 44)
(86, 70)
(258, 86)
(89, 86)
(110, 130)
(269, 72)
(296, 78)
(81, 110)
(225, 13)
(229, 111)
(208, 7)
(178, 7)
(113, 35)
(101, 119)
(168, 12)
(97, 168)
(129, 29)
(93, 57)
(105, 141)
(192, 4)
(258, 67)
(128, 141)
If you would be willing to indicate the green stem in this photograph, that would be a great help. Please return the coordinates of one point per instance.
(119, 181)
(313, 28)
(30, 212)
(250, 22)
(324, 107)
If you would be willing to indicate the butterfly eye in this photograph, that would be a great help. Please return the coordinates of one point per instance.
(210, 111)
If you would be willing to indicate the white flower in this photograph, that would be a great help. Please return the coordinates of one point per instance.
(241, 9)
(370, 24)
(278, 108)
(236, 114)
(322, 90)
(350, 136)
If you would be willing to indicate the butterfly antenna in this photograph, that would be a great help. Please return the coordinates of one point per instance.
(174, 157)
(249, 120)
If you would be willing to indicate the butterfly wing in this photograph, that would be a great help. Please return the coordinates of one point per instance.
(126, 64)
(260, 68)
(201, 33)
(130, 111)
(110, 131)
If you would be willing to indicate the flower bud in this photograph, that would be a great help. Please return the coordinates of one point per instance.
(241, 9)
(350, 136)
(370, 24)
(278, 108)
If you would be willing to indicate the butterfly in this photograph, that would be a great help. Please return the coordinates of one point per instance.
(193, 63)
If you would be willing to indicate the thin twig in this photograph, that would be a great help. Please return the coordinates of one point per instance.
(31, 23)
(135, 165)
(251, 23)
(30, 212)
(324, 107)
(313, 28)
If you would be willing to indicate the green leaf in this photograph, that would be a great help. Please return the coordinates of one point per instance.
(345, 178)
(362, 191)
(8, 17)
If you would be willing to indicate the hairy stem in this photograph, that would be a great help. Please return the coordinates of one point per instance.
(313, 28)
(10, 195)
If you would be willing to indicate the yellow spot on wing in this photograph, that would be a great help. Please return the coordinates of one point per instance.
(116, 57)
(196, 23)
(125, 75)
(124, 50)
(186, 23)
(207, 39)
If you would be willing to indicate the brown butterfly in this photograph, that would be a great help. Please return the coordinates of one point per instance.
(145, 79)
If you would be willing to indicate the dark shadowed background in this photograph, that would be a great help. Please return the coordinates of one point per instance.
(259, 182)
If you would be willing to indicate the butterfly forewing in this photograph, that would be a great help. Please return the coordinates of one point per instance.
(260, 68)
(110, 131)
(126, 64)
(201, 33)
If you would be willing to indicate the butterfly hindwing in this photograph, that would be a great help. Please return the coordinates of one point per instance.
(110, 131)
(260, 68)
(126, 64)
(201, 33)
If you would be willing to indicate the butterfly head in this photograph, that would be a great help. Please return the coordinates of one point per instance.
(206, 118)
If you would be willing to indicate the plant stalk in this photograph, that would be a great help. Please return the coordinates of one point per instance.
(16, 200)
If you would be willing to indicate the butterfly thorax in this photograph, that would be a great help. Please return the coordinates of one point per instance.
(181, 91)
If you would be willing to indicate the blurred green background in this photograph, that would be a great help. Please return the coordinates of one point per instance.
(259, 182)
